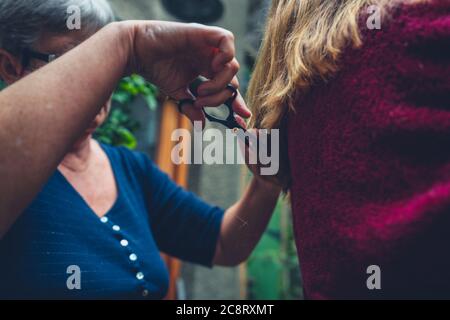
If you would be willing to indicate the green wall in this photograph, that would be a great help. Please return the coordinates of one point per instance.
(272, 270)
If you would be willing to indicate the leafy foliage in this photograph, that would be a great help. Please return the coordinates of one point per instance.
(120, 128)
(131, 87)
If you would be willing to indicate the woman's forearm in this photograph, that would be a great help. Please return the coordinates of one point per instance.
(44, 113)
(245, 222)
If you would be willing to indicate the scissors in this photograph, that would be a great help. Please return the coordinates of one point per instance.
(230, 120)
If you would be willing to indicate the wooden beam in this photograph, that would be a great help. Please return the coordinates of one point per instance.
(171, 120)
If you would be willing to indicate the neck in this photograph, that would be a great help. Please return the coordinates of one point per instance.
(78, 159)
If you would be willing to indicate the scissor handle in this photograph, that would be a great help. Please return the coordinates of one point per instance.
(230, 122)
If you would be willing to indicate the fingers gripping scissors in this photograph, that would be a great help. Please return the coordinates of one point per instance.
(230, 121)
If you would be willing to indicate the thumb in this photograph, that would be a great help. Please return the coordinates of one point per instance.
(188, 109)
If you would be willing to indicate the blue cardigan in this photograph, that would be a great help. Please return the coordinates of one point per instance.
(59, 238)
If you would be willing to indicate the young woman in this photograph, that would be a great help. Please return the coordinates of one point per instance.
(365, 113)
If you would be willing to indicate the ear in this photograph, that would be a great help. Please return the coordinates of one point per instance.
(11, 69)
(104, 113)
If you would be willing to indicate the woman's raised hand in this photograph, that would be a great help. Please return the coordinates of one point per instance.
(171, 55)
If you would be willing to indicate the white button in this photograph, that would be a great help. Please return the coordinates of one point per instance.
(104, 219)
(145, 293)
(116, 228)
(124, 243)
(139, 275)
(133, 257)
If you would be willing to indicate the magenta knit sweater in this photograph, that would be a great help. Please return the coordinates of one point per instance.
(370, 159)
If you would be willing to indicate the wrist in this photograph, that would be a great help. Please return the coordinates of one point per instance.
(124, 35)
(266, 186)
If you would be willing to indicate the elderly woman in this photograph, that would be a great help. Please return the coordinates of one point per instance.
(364, 105)
(107, 211)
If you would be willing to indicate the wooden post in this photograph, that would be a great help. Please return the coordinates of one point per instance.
(171, 120)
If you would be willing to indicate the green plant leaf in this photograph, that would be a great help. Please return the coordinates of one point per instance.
(152, 103)
(138, 80)
(128, 138)
(120, 127)
(121, 97)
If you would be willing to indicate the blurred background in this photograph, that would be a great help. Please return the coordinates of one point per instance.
(143, 120)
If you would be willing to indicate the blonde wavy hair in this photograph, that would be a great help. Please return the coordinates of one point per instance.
(303, 42)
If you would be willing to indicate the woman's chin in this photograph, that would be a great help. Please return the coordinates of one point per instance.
(84, 139)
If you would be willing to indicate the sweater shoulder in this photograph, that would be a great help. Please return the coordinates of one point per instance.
(407, 22)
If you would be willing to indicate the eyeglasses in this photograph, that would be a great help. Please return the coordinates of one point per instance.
(28, 55)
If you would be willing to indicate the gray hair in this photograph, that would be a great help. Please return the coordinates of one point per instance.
(23, 21)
